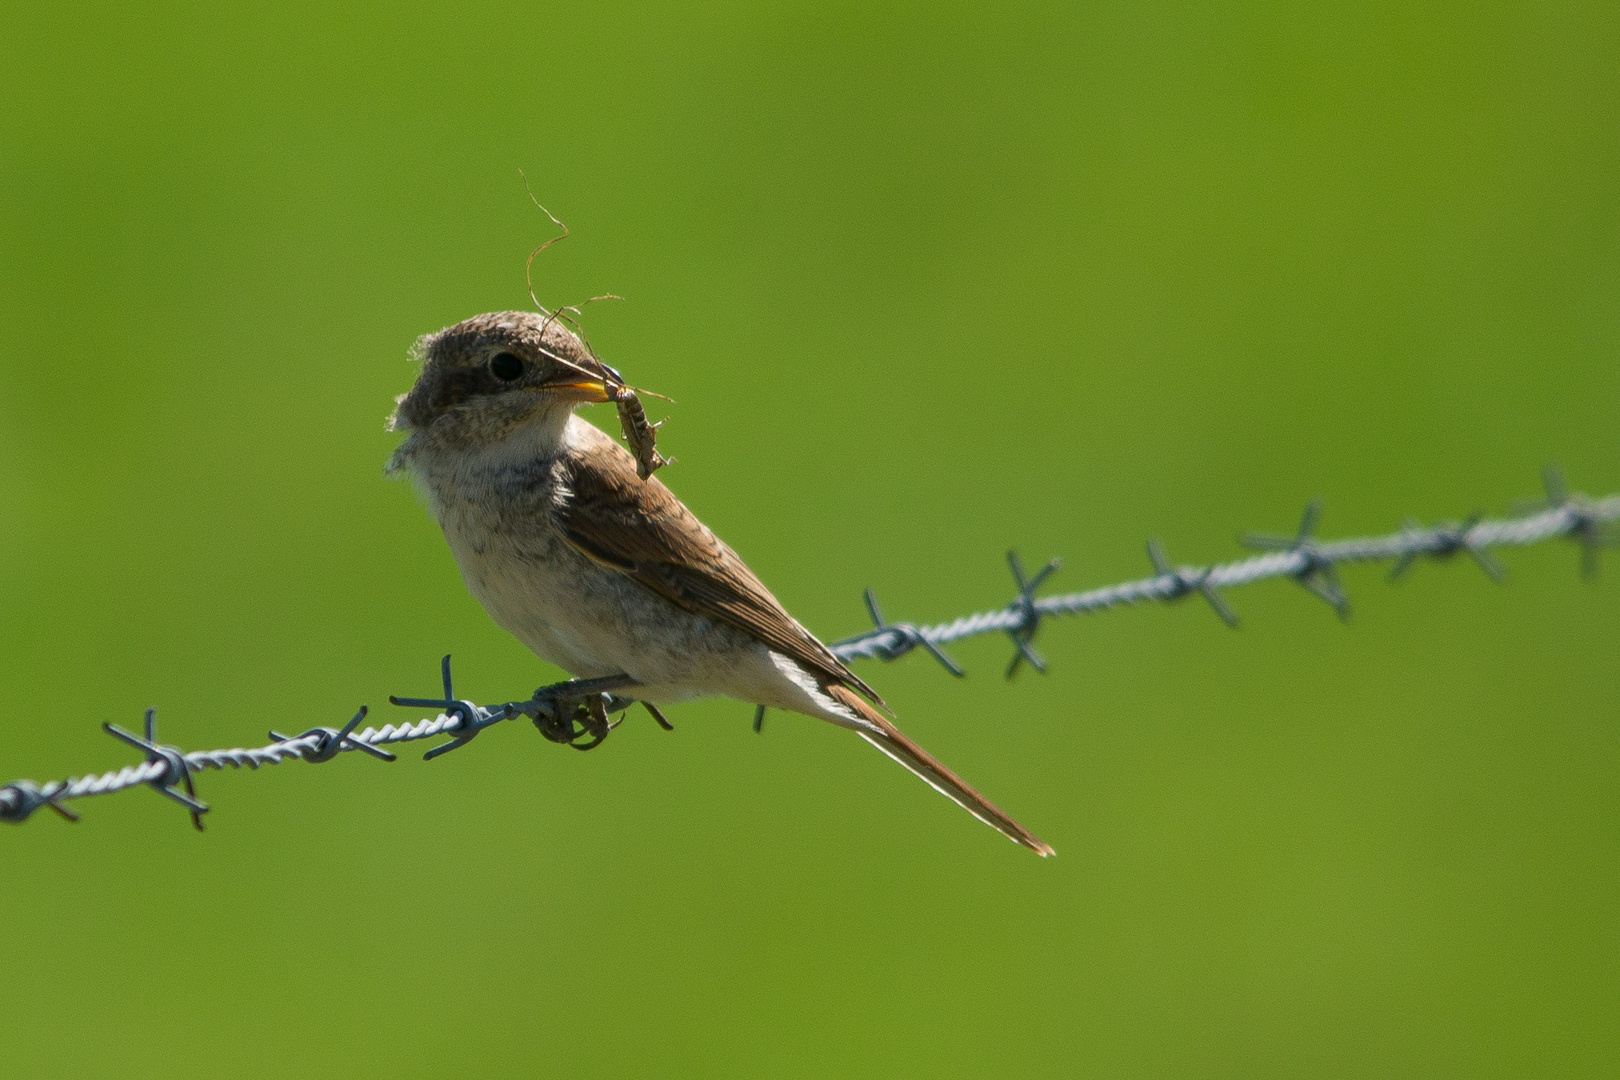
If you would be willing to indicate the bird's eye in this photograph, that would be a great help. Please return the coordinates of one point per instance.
(505, 367)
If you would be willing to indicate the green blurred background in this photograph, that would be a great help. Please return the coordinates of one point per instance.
(926, 283)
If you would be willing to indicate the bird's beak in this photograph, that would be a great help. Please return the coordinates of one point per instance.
(583, 390)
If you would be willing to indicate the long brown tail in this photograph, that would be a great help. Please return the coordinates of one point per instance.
(894, 742)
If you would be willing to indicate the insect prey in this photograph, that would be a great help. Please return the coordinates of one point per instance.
(641, 435)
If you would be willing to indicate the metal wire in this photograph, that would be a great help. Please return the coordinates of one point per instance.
(1308, 560)
(1311, 562)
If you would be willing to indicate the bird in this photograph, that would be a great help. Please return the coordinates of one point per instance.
(599, 569)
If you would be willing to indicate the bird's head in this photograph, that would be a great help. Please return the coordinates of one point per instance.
(486, 377)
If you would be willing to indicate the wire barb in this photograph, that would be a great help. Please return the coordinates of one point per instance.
(1316, 572)
(177, 769)
(470, 718)
(1181, 581)
(324, 743)
(1586, 528)
(901, 638)
(663, 721)
(20, 798)
(1442, 542)
(1023, 633)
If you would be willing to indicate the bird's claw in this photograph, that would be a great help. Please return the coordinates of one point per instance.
(567, 718)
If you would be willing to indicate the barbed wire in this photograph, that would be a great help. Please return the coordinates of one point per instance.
(577, 712)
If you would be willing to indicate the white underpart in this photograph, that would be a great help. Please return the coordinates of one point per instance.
(812, 699)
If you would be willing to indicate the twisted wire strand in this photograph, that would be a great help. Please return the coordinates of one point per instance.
(298, 749)
(890, 641)
(1309, 561)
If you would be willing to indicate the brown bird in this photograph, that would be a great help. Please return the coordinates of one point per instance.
(599, 571)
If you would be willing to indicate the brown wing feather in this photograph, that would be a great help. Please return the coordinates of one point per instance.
(640, 528)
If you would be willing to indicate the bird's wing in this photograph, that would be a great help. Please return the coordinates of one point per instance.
(641, 529)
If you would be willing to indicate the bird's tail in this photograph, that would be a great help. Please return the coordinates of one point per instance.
(892, 741)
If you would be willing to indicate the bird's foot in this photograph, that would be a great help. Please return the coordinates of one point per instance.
(575, 712)
(581, 723)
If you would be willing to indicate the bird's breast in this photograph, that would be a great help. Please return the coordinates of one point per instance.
(586, 618)
(516, 564)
